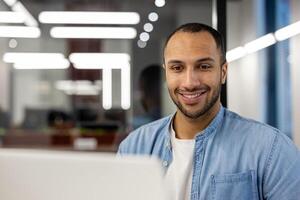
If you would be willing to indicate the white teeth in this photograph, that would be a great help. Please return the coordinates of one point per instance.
(191, 96)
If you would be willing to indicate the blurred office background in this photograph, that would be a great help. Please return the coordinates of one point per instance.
(82, 74)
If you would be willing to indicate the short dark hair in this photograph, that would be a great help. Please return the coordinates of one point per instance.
(197, 28)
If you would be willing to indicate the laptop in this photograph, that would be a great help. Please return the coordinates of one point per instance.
(60, 175)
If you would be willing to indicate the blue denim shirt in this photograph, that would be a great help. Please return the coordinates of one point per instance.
(234, 159)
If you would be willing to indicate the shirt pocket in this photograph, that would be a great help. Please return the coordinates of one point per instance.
(238, 186)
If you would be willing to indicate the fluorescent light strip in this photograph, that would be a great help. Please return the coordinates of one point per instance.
(235, 54)
(63, 64)
(37, 60)
(99, 60)
(107, 88)
(263, 42)
(19, 32)
(107, 62)
(125, 87)
(22, 57)
(29, 19)
(93, 32)
(11, 17)
(69, 17)
(10, 2)
(83, 87)
(288, 31)
(260, 43)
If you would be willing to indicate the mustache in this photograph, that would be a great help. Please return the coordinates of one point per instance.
(194, 89)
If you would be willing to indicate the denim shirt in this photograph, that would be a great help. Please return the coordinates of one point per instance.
(234, 158)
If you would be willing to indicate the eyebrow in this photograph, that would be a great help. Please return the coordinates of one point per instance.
(198, 61)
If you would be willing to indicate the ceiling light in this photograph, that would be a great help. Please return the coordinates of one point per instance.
(99, 60)
(260, 43)
(160, 3)
(288, 31)
(11, 17)
(63, 64)
(29, 19)
(71, 17)
(141, 44)
(93, 32)
(19, 32)
(28, 57)
(125, 87)
(79, 87)
(144, 36)
(107, 88)
(12, 43)
(153, 16)
(36, 60)
(148, 27)
(10, 2)
(235, 54)
(107, 62)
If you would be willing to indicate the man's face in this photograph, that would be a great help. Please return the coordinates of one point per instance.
(194, 73)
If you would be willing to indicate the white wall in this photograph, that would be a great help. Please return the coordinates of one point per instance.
(4, 71)
(295, 72)
(4, 79)
(244, 85)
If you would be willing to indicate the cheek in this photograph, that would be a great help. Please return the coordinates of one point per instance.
(212, 80)
(171, 81)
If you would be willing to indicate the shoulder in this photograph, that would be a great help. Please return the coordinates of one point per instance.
(142, 139)
(236, 122)
(258, 135)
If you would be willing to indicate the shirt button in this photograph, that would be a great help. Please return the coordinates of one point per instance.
(165, 163)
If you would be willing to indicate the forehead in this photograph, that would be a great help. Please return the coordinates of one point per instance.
(184, 43)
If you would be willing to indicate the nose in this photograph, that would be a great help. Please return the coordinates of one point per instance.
(191, 79)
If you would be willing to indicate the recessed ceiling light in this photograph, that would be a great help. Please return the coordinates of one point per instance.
(12, 43)
(148, 27)
(153, 16)
(141, 44)
(144, 36)
(160, 3)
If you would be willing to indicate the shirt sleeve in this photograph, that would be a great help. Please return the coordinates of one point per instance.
(282, 171)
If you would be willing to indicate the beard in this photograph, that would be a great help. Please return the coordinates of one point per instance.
(199, 112)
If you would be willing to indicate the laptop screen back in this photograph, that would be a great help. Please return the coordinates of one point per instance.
(51, 175)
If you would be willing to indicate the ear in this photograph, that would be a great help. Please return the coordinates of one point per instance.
(224, 72)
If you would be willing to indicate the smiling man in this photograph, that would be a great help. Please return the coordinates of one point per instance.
(209, 152)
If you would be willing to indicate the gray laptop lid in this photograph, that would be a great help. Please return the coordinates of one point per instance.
(52, 175)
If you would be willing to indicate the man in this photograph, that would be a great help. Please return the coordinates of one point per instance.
(209, 152)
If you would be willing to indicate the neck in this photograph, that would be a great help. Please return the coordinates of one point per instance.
(188, 128)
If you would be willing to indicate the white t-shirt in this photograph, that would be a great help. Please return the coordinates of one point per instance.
(179, 174)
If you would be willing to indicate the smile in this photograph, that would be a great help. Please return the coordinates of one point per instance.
(192, 98)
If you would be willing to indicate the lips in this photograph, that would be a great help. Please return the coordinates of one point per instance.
(191, 98)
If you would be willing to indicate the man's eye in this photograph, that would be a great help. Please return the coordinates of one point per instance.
(176, 68)
(204, 66)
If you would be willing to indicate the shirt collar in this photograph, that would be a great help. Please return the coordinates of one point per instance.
(213, 125)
